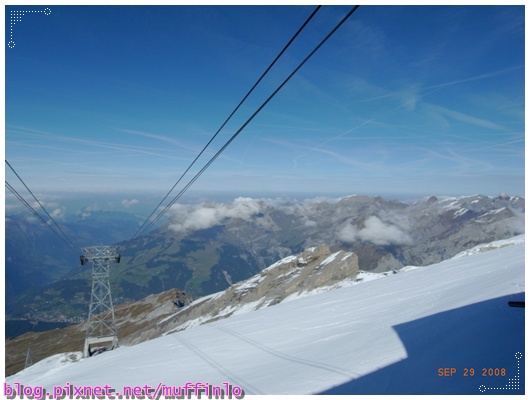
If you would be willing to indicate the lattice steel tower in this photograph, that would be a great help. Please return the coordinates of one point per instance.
(101, 328)
(29, 359)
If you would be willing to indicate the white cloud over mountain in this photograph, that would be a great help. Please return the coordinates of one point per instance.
(203, 216)
(375, 231)
(129, 203)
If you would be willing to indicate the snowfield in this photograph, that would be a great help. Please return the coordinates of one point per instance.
(442, 329)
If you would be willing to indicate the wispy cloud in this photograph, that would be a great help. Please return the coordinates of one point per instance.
(174, 142)
(479, 77)
(408, 98)
(84, 145)
(466, 118)
(417, 90)
(457, 161)
(347, 160)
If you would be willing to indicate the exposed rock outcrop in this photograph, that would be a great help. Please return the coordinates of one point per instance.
(316, 267)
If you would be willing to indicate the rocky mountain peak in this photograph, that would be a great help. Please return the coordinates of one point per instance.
(432, 200)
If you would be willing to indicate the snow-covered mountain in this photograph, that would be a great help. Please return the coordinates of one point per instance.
(385, 234)
(204, 248)
(442, 329)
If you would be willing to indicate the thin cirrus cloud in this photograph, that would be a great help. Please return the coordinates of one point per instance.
(408, 100)
(178, 144)
(466, 118)
(82, 146)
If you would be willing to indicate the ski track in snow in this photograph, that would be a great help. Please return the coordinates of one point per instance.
(287, 357)
(387, 336)
(231, 377)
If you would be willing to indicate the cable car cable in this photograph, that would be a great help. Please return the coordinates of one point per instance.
(68, 240)
(30, 208)
(250, 119)
(230, 116)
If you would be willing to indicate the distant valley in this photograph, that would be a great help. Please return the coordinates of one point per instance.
(36, 258)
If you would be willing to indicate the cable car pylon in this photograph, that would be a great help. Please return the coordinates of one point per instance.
(101, 331)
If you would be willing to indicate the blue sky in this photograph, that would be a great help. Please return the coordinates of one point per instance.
(401, 101)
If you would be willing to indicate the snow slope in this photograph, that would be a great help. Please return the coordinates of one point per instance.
(386, 336)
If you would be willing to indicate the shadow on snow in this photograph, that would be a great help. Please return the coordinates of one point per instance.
(486, 337)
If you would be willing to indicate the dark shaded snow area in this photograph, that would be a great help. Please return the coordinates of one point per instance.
(394, 335)
(470, 344)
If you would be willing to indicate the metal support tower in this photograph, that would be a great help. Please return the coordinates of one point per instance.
(101, 329)
(29, 359)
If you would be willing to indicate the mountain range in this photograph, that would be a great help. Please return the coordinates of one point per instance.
(206, 247)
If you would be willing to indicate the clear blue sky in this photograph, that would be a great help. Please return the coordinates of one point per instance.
(410, 100)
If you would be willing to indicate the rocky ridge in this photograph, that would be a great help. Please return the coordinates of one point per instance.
(316, 267)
